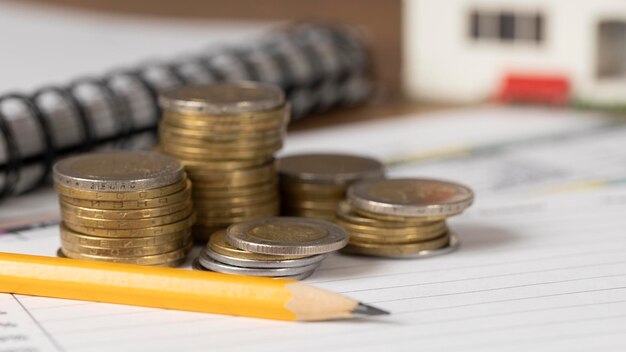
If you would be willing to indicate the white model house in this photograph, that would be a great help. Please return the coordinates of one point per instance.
(467, 50)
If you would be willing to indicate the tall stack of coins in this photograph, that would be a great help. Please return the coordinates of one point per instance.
(312, 185)
(286, 247)
(127, 207)
(226, 136)
(402, 217)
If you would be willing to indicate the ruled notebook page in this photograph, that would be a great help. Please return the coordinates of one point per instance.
(540, 268)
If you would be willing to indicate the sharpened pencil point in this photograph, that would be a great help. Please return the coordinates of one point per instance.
(364, 309)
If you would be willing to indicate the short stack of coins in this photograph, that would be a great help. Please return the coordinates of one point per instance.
(226, 136)
(312, 185)
(126, 207)
(285, 247)
(402, 218)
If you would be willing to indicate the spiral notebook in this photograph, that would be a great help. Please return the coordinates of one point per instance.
(318, 66)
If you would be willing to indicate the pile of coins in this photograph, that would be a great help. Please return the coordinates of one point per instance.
(285, 247)
(312, 185)
(226, 136)
(402, 217)
(127, 207)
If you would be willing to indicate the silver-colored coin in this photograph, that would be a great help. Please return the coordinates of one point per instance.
(410, 197)
(267, 264)
(118, 171)
(337, 169)
(287, 236)
(197, 266)
(214, 265)
(223, 98)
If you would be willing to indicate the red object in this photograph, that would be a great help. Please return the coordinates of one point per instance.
(534, 88)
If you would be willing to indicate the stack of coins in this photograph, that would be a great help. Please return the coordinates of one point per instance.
(312, 185)
(127, 207)
(286, 247)
(402, 217)
(226, 136)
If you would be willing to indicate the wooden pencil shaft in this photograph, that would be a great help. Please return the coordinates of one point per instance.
(146, 286)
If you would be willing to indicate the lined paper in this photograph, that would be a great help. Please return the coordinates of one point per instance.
(537, 270)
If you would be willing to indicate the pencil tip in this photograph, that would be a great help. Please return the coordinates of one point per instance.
(364, 309)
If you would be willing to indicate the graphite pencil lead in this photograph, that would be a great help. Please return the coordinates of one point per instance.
(364, 309)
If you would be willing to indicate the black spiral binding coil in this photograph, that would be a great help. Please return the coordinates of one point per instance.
(317, 44)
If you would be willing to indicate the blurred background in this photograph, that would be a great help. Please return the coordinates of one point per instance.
(555, 52)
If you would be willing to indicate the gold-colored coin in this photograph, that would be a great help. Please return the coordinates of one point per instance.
(313, 188)
(338, 169)
(218, 244)
(122, 196)
(206, 143)
(287, 236)
(181, 196)
(410, 198)
(200, 144)
(173, 264)
(221, 222)
(143, 232)
(202, 191)
(347, 213)
(237, 178)
(123, 214)
(360, 237)
(307, 213)
(164, 259)
(68, 235)
(399, 219)
(129, 252)
(396, 250)
(228, 212)
(230, 129)
(246, 138)
(430, 230)
(225, 127)
(275, 113)
(311, 204)
(72, 219)
(224, 132)
(195, 166)
(243, 120)
(197, 154)
(236, 201)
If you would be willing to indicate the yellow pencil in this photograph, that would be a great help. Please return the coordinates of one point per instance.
(173, 289)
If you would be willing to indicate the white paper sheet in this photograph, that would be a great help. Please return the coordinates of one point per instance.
(540, 271)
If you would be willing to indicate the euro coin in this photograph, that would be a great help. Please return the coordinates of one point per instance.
(141, 232)
(337, 169)
(70, 218)
(287, 236)
(184, 195)
(123, 214)
(117, 171)
(222, 99)
(68, 235)
(311, 204)
(405, 252)
(158, 259)
(218, 244)
(214, 265)
(396, 250)
(410, 198)
(428, 231)
(123, 196)
(123, 252)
